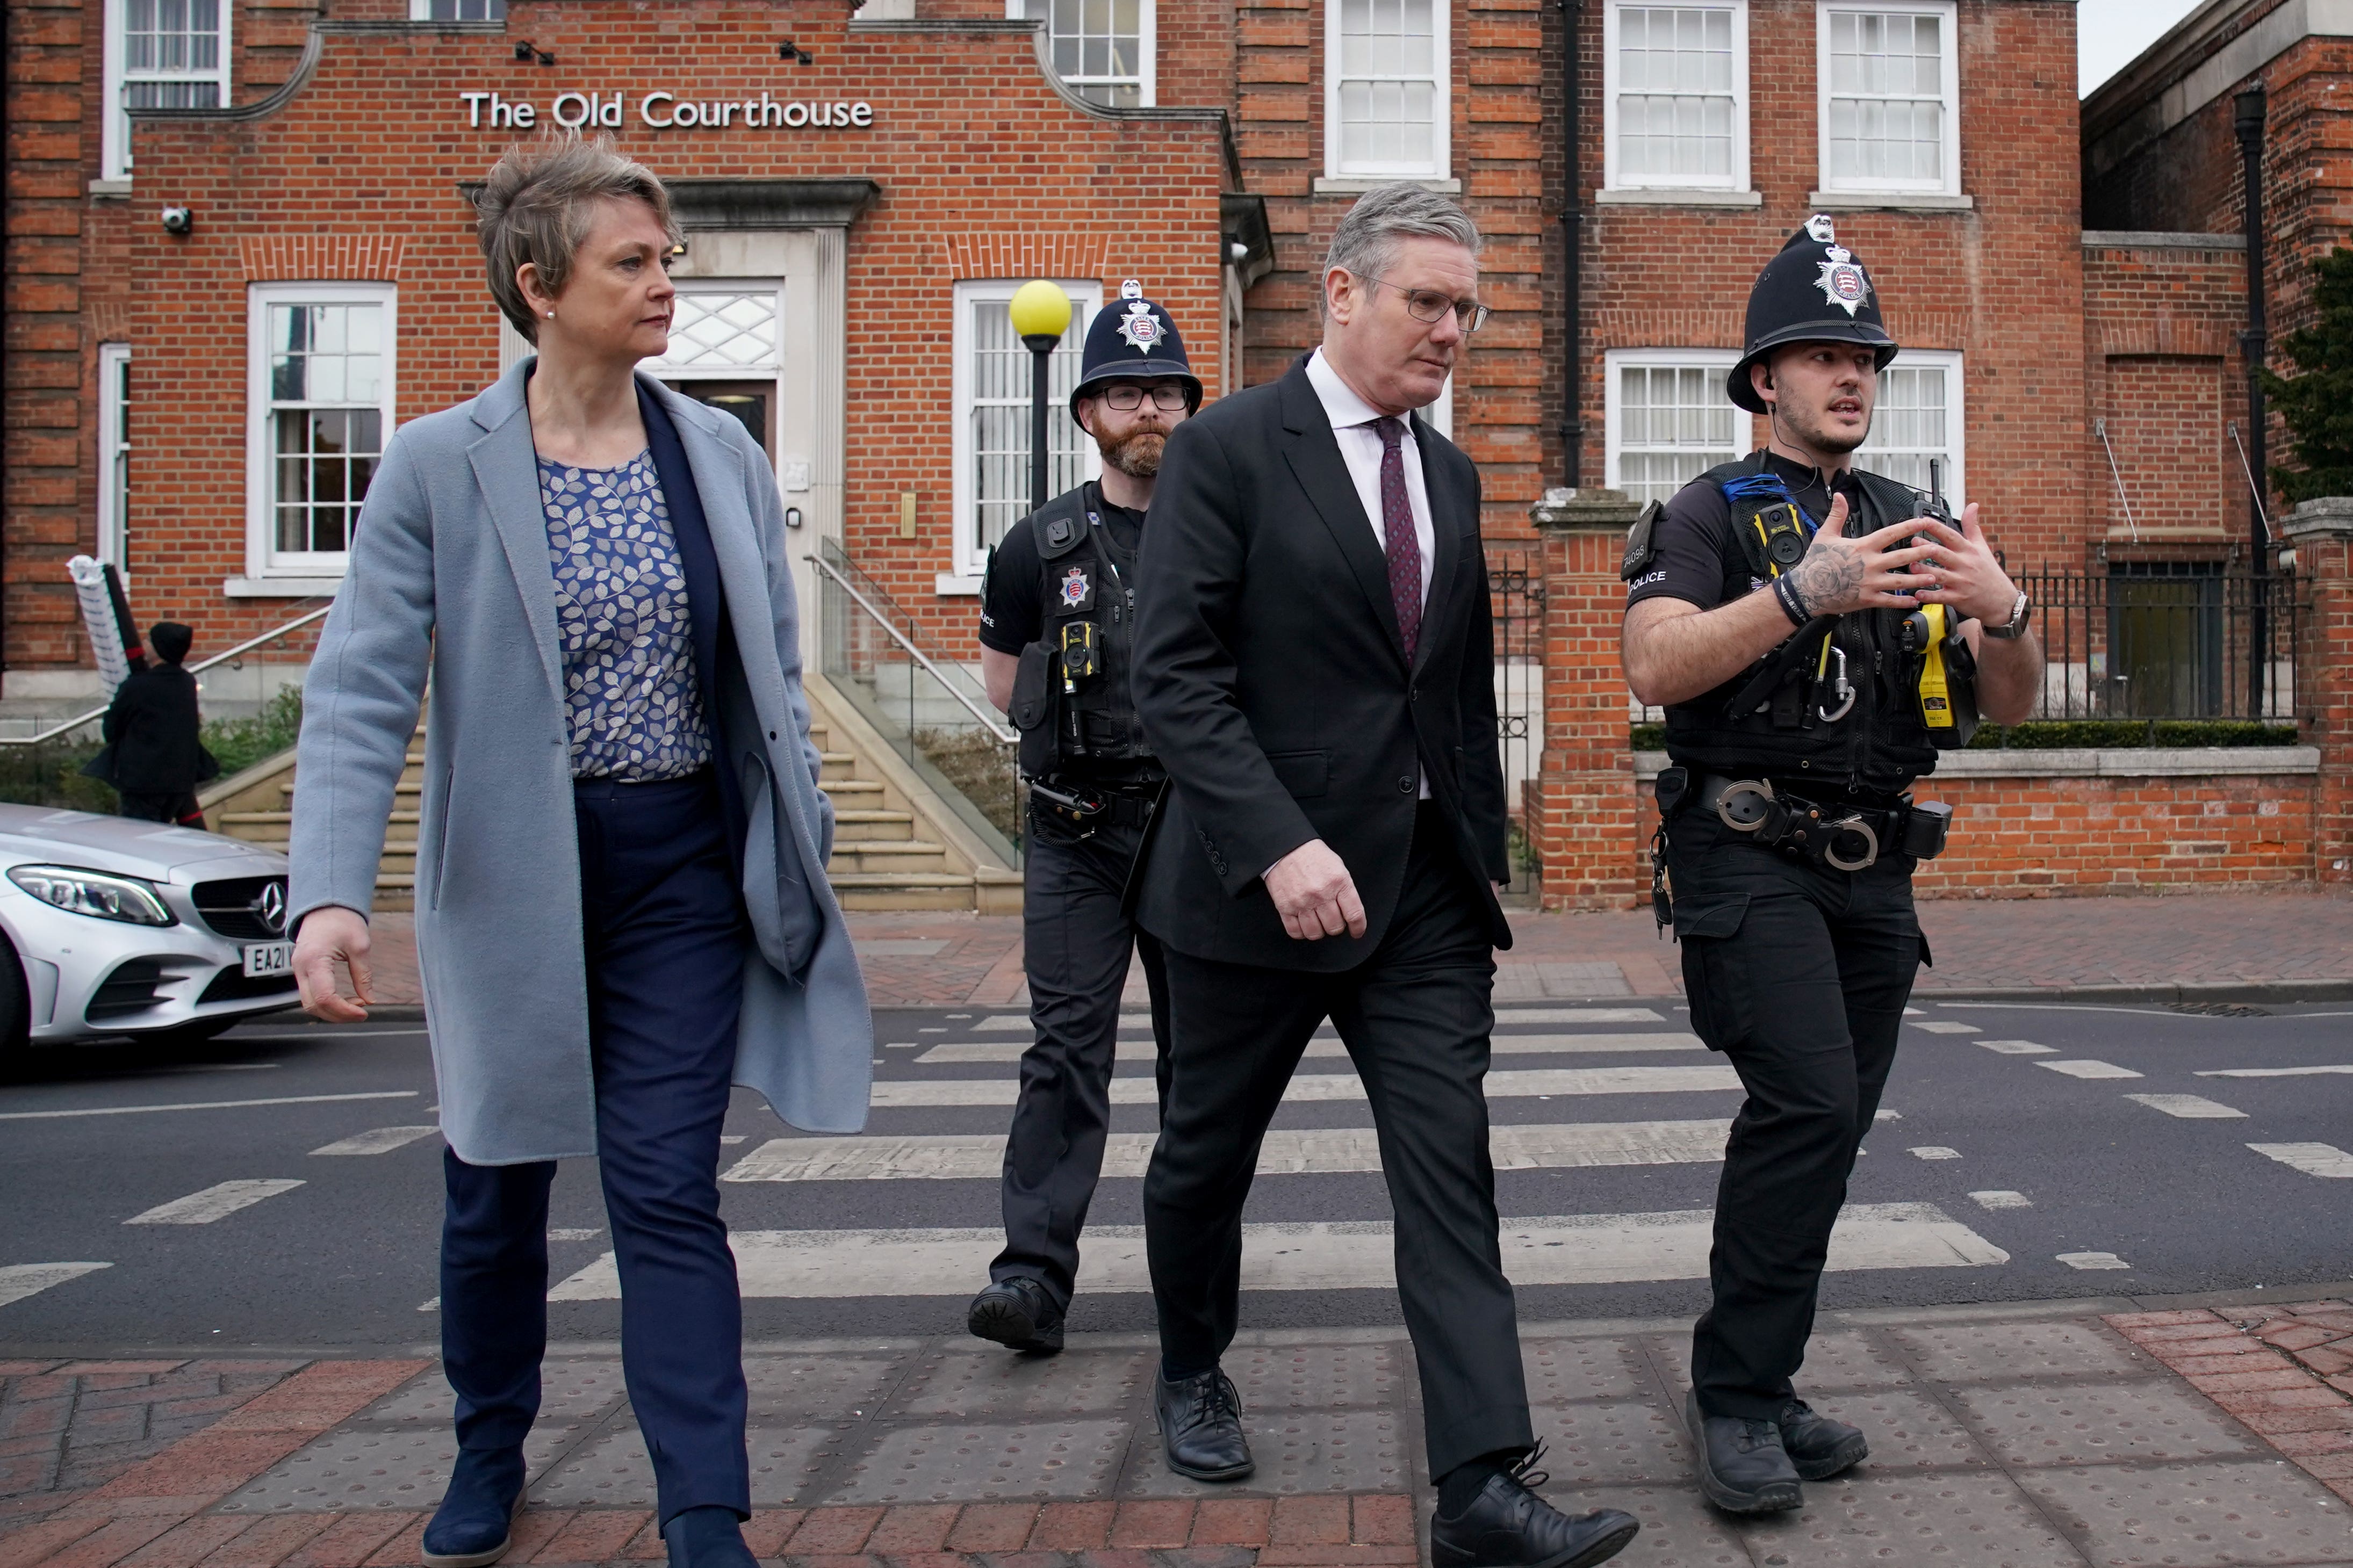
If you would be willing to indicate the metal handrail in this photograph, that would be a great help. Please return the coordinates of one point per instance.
(197, 668)
(1004, 737)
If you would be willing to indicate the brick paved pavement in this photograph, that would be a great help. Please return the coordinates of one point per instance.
(2063, 1434)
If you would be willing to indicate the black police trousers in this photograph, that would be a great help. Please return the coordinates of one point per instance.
(1798, 974)
(1076, 942)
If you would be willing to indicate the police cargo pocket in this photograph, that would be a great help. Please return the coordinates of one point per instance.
(1033, 709)
(1704, 925)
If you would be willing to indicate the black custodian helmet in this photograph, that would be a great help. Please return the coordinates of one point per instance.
(1814, 291)
(1134, 340)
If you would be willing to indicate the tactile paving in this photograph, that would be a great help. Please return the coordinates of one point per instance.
(1321, 1377)
(1076, 1383)
(2010, 1353)
(1297, 1451)
(1679, 1531)
(964, 1462)
(2080, 1424)
(350, 1468)
(1583, 1369)
(2142, 1517)
(570, 1391)
(791, 1388)
(1612, 1444)
(1908, 1430)
(1847, 1359)
(1970, 1517)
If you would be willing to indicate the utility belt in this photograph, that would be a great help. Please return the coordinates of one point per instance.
(1839, 837)
(1088, 805)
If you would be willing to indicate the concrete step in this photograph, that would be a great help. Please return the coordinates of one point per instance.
(875, 825)
(851, 856)
(905, 890)
(863, 790)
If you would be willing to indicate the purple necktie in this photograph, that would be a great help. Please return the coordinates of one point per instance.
(1397, 529)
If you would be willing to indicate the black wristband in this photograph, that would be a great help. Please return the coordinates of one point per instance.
(1785, 593)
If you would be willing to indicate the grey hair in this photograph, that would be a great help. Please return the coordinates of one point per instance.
(1366, 240)
(536, 207)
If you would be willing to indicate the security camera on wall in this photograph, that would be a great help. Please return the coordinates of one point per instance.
(179, 220)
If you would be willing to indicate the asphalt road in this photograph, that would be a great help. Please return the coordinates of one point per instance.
(1994, 1166)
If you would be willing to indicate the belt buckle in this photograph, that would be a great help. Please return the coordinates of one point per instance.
(1851, 823)
(1745, 819)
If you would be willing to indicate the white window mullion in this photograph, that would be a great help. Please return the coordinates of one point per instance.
(1666, 419)
(1675, 96)
(1889, 77)
(1386, 105)
(114, 455)
(1101, 49)
(991, 392)
(457, 10)
(320, 412)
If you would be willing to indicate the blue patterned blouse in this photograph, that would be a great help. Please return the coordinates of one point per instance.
(621, 614)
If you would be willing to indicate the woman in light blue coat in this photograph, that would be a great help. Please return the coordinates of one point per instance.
(621, 902)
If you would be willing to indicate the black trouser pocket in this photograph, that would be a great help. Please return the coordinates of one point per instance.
(1705, 924)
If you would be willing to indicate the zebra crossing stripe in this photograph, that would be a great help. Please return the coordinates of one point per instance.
(1560, 1249)
(1306, 1087)
(376, 1141)
(215, 1202)
(1505, 1017)
(1140, 1049)
(1320, 1151)
(18, 1280)
(2312, 1159)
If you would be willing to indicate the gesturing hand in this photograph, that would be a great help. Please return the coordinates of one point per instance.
(1314, 894)
(1841, 574)
(1961, 570)
(330, 934)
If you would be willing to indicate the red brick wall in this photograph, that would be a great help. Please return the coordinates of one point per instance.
(2028, 838)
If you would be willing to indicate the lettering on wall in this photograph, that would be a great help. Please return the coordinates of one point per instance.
(667, 112)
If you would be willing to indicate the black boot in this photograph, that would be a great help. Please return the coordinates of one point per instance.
(1506, 1525)
(1201, 1427)
(473, 1526)
(708, 1537)
(1018, 1313)
(1818, 1447)
(1743, 1468)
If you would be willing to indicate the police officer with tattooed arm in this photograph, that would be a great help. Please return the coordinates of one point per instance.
(1057, 625)
(1816, 634)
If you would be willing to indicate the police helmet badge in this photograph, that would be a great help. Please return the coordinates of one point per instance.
(1140, 327)
(1076, 590)
(1842, 282)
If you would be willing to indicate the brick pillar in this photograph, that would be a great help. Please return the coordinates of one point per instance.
(1588, 826)
(2322, 534)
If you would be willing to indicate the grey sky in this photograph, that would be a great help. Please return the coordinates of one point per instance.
(2109, 33)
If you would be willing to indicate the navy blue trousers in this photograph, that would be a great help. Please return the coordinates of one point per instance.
(663, 927)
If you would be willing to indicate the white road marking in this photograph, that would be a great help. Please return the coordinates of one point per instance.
(2093, 1260)
(1887, 1115)
(1308, 1087)
(376, 1141)
(18, 1280)
(203, 1067)
(2017, 1048)
(2312, 1159)
(1936, 1151)
(980, 1156)
(205, 1105)
(734, 1137)
(1505, 1017)
(2190, 1106)
(1567, 1249)
(2001, 1200)
(2084, 1067)
(1914, 1013)
(575, 1233)
(1143, 1050)
(213, 1203)
(432, 1306)
(1947, 1027)
(2272, 1072)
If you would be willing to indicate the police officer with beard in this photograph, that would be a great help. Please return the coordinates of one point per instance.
(1057, 624)
(1816, 634)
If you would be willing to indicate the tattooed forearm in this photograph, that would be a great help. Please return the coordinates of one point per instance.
(1829, 577)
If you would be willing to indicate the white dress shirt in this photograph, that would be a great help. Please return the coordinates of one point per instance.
(1360, 447)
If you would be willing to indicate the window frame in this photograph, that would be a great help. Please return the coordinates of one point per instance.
(1442, 139)
(112, 543)
(114, 123)
(967, 557)
(1147, 48)
(1612, 88)
(262, 558)
(1716, 362)
(1956, 468)
(1948, 87)
(422, 11)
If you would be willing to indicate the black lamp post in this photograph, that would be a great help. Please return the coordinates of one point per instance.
(1041, 314)
(2248, 121)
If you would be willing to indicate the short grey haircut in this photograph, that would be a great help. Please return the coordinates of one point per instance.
(536, 207)
(1366, 240)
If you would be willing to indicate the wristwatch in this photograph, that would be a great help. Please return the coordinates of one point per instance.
(2016, 625)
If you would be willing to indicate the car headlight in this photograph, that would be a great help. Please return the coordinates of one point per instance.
(94, 893)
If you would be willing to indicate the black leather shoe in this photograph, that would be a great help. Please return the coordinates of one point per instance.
(709, 1537)
(474, 1525)
(1201, 1427)
(1818, 1447)
(1018, 1315)
(1743, 1468)
(1508, 1525)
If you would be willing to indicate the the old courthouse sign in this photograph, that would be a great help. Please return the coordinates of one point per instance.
(667, 112)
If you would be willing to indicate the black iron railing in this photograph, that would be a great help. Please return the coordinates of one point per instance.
(2168, 640)
(1516, 594)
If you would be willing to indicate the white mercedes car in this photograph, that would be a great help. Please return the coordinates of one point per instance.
(117, 927)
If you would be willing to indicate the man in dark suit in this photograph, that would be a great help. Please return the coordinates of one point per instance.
(1315, 669)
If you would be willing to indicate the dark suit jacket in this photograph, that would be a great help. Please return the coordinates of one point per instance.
(152, 730)
(1273, 684)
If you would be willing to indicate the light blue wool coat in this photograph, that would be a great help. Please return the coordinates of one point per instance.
(449, 573)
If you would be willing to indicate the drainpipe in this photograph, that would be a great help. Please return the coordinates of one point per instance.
(2248, 121)
(1572, 336)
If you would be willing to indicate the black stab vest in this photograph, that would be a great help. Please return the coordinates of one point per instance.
(1077, 724)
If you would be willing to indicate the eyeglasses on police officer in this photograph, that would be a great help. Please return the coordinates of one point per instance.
(1430, 306)
(1127, 396)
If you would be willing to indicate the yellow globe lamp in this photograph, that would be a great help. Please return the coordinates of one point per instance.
(1041, 314)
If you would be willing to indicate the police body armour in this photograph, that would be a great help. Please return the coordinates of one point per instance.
(1071, 696)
